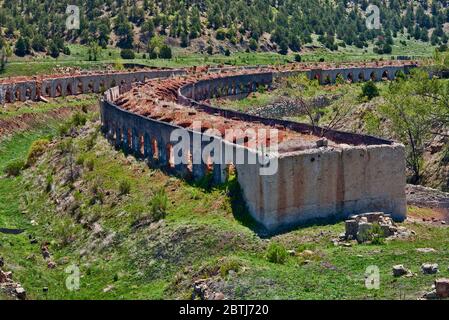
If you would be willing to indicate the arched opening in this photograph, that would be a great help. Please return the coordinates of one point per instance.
(155, 147)
(58, 91)
(385, 75)
(317, 77)
(80, 87)
(327, 79)
(69, 89)
(189, 162)
(91, 87)
(102, 87)
(130, 139)
(361, 76)
(17, 94)
(171, 156)
(350, 78)
(142, 145)
(28, 94)
(373, 76)
(339, 78)
(113, 83)
(8, 96)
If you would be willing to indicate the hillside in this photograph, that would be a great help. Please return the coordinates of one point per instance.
(74, 209)
(204, 26)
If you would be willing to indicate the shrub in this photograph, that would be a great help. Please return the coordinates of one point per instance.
(66, 51)
(221, 34)
(228, 265)
(298, 58)
(158, 205)
(377, 235)
(127, 54)
(124, 187)
(89, 164)
(79, 119)
(14, 168)
(64, 128)
(253, 44)
(37, 149)
(369, 90)
(276, 253)
(165, 52)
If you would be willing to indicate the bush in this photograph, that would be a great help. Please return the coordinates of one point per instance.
(64, 128)
(79, 119)
(89, 164)
(369, 90)
(276, 253)
(37, 149)
(66, 51)
(253, 44)
(298, 58)
(124, 187)
(377, 235)
(165, 52)
(228, 265)
(158, 205)
(14, 168)
(127, 54)
(221, 34)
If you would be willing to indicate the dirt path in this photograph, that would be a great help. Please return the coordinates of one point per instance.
(423, 197)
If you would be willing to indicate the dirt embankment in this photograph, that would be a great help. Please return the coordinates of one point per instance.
(27, 121)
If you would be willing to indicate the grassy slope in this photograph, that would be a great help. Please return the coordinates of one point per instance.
(182, 58)
(199, 235)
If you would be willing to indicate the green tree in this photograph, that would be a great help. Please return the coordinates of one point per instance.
(370, 90)
(166, 52)
(22, 47)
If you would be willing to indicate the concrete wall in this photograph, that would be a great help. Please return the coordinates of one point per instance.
(363, 174)
(327, 184)
(74, 85)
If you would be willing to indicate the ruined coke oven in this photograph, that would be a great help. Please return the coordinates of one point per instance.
(306, 173)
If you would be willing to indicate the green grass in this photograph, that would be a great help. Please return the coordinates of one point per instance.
(10, 111)
(200, 230)
(42, 64)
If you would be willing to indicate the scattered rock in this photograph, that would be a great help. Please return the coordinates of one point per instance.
(360, 227)
(426, 250)
(45, 252)
(108, 288)
(51, 265)
(307, 254)
(291, 253)
(429, 268)
(20, 293)
(219, 296)
(442, 288)
(432, 295)
(399, 270)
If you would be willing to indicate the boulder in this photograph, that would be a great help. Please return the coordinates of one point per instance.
(442, 288)
(429, 268)
(364, 232)
(352, 227)
(20, 293)
(399, 270)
